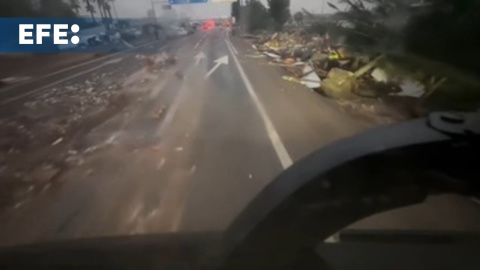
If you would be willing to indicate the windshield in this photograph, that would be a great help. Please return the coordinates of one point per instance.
(170, 116)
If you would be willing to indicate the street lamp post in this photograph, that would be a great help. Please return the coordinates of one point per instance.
(153, 10)
(243, 13)
(153, 2)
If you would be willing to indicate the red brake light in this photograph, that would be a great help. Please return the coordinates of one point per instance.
(208, 25)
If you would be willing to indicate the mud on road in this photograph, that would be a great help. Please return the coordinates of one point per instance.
(45, 135)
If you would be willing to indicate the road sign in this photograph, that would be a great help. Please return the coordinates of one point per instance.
(181, 2)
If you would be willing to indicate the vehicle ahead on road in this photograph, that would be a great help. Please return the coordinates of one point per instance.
(208, 25)
(285, 225)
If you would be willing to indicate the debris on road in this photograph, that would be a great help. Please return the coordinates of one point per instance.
(44, 174)
(75, 160)
(158, 113)
(89, 172)
(255, 56)
(161, 163)
(309, 78)
(314, 61)
(340, 84)
(153, 64)
(411, 88)
(59, 140)
(61, 116)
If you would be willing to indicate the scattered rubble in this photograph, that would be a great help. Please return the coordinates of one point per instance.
(332, 70)
(158, 113)
(59, 140)
(49, 127)
(44, 174)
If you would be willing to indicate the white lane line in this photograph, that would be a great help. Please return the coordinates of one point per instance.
(229, 43)
(333, 239)
(277, 143)
(128, 44)
(198, 43)
(135, 213)
(193, 169)
(60, 81)
(171, 112)
(77, 66)
(177, 220)
(475, 200)
(71, 77)
(233, 47)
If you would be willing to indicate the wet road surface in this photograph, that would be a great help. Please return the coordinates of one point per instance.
(226, 126)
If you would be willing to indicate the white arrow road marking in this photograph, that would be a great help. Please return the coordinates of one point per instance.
(200, 41)
(199, 57)
(220, 61)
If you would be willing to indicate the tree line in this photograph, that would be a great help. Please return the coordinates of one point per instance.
(256, 16)
(56, 8)
(444, 30)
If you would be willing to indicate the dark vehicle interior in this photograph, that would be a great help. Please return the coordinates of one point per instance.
(285, 226)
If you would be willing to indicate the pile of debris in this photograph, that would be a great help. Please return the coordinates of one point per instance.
(331, 69)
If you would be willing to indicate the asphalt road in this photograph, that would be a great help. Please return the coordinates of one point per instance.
(229, 125)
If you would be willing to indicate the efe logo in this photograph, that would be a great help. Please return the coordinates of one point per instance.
(60, 32)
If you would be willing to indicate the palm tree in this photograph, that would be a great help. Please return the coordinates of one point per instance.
(108, 9)
(101, 7)
(90, 8)
(112, 5)
(75, 6)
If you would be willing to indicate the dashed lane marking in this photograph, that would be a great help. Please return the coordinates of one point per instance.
(277, 143)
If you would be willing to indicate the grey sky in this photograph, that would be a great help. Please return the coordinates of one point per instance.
(138, 8)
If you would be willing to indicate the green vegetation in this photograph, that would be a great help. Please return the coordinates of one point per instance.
(254, 15)
(436, 38)
(235, 10)
(280, 12)
(258, 16)
(298, 17)
(442, 30)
